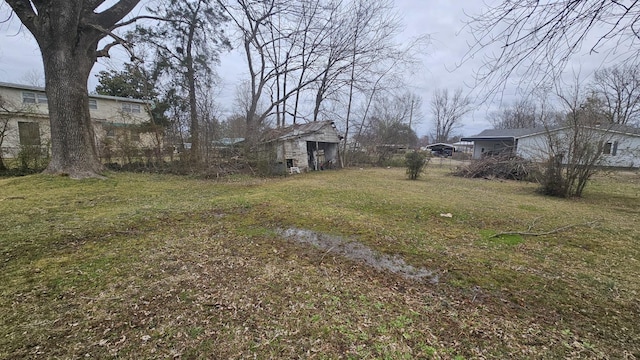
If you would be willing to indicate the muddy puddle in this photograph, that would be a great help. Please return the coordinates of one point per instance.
(354, 250)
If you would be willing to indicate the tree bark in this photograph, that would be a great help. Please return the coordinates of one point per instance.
(73, 149)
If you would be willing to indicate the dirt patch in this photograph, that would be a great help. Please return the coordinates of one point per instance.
(354, 250)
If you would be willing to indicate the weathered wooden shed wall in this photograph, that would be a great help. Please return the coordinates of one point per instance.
(294, 149)
(308, 146)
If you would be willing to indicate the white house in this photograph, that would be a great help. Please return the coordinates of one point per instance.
(621, 144)
(24, 117)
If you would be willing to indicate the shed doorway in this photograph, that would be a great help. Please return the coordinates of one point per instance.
(321, 155)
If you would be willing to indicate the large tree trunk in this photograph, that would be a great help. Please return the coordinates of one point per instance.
(68, 33)
(73, 149)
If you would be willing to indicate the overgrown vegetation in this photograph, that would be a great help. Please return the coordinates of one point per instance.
(28, 160)
(159, 266)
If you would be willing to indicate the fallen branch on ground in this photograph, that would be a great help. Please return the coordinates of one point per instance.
(529, 233)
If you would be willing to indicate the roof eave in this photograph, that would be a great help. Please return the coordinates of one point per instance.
(91, 96)
(488, 138)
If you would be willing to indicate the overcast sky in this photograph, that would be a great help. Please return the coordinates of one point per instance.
(443, 20)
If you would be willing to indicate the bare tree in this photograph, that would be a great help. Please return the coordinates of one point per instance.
(386, 81)
(521, 114)
(243, 102)
(536, 40)
(382, 137)
(619, 89)
(305, 42)
(371, 105)
(388, 125)
(402, 108)
(308, 58)
(234, 126)
(335, 60)
(189, 41)
(68, 33)
(448, 110)
(574, 148)
(373, 25)
(266, 31)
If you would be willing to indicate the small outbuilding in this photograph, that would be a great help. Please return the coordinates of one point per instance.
(306, 147)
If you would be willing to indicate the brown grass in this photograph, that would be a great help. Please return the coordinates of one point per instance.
(146, 266)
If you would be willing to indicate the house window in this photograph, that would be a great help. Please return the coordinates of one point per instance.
(29, 133)
(93, 104)
(34, 98)
(610, 148)
(28, 97)
(131, 108)
(42, 98)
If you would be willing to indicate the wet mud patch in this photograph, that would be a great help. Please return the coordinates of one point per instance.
(356, 251)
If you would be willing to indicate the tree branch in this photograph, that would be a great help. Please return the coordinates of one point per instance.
(93, 4)
(529, 233)
(540, 37)
(25, 13)
(108, 18)
(104, 52)
(133, 20)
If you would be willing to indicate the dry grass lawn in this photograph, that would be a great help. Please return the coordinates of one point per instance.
(151, 266)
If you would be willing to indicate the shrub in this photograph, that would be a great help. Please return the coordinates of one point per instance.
(565, 180)
(415, 163)
(33, 158)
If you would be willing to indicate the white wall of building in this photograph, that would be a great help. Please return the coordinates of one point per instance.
(29, 104)
(626, 146)
(627, 152)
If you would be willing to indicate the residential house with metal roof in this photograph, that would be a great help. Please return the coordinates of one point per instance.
(620, 143)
